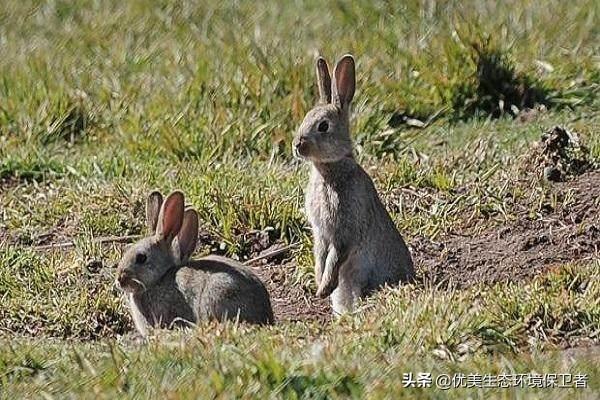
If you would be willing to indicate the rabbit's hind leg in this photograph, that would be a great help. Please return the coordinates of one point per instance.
(350, 288)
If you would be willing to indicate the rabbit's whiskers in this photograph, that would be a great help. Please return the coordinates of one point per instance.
(137, 281)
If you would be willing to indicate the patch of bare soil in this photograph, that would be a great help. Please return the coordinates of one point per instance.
(521, 249)
(291, 302)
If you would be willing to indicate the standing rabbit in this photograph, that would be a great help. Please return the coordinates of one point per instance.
(165, 288)
(357, 248)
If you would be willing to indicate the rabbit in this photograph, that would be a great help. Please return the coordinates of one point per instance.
(164, 288)
(357, 248)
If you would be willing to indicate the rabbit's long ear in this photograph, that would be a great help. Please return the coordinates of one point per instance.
(185, 242)
(324, 81)
(153, 204)
(344, 82)
(170, 217)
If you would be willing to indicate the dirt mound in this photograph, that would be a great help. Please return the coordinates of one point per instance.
(521, 249)
(290, 301)
(558, 156)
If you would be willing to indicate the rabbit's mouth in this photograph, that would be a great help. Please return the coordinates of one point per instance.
(129, 284)
(298, 155)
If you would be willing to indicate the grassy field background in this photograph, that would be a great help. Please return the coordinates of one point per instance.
(101, 102)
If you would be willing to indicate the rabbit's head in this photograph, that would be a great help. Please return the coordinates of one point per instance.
(174, 235)
(324, 135)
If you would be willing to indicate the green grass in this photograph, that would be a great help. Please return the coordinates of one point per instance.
(101, 102)
(399, 331)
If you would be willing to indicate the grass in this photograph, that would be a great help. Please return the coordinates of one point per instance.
(101, 102)
(404, 330)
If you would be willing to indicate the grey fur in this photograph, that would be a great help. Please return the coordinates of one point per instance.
(357, 248)
(164, 288)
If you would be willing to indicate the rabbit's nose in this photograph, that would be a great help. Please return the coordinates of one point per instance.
(300, 145)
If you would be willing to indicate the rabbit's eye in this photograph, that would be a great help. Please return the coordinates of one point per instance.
(323, 126)
(140, 258)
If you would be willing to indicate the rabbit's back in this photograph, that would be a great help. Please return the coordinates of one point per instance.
(386, 249)
(220, 288)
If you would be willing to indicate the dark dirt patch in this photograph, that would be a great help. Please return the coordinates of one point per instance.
(523, 248)
(291, 302)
